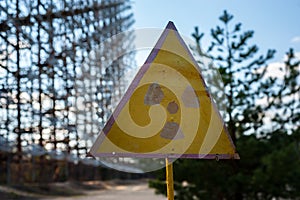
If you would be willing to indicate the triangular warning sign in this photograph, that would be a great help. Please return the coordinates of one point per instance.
(167, 110)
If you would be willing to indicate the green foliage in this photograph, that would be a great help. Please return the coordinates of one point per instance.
(269, 168)
(263, 117)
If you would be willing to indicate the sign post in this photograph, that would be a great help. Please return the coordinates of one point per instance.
(169, 179)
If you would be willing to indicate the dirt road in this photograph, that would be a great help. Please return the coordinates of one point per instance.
(138, 191)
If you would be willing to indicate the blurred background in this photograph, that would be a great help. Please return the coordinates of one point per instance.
(57, 84)
(61, 76)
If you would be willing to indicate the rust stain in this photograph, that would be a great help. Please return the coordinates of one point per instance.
(172, 131)
(172, 107)
(154, 95)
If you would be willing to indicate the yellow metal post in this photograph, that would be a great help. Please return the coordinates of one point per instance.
(169, 180)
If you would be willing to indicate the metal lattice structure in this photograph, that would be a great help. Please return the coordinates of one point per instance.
(56, 79)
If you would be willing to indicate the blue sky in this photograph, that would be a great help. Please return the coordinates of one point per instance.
(276, 22)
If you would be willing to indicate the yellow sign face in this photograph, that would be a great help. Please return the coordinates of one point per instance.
(167, 111)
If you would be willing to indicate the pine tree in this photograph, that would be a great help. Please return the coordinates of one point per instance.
(262, 117)
(242, 73)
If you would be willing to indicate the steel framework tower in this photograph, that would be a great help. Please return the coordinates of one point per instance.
(57, 80)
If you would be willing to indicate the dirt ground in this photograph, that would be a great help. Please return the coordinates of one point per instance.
(109, 190)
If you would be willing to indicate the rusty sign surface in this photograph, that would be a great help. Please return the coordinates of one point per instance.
(167, 111)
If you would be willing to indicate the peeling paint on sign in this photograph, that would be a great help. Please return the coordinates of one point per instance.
(154, 95)
(171, 131)
(172, 107)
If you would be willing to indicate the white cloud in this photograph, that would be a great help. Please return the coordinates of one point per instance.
(297, 55)
(275, 70)
(295, 39)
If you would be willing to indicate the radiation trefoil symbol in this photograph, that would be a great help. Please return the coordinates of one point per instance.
(167, 111)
